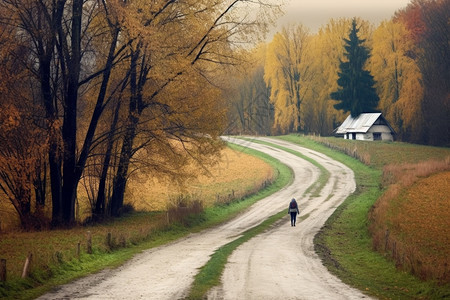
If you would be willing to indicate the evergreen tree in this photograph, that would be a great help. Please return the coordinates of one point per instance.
(356, 91)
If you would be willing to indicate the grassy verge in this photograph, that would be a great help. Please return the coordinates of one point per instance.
(210, 273)
(345, 246)
(150, 227)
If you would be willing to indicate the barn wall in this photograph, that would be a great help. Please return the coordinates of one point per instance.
(386, 133)
(364, 137)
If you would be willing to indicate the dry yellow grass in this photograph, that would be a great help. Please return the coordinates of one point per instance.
(411, 221)
(236, 172)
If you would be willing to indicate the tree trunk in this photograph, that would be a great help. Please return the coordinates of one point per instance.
(98, 110)
(69, 131)
(100, 204)
(40, 184)
(120, 179)
(53, 132)
(127, 145)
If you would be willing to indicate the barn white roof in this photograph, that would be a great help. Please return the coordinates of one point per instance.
(360, 124)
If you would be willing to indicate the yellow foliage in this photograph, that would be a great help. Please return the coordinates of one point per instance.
(325, 54)
(399, 80)
(286, 72)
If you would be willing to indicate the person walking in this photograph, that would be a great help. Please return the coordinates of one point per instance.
(294, 211)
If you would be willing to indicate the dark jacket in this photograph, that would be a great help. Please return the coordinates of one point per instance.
(295, 209)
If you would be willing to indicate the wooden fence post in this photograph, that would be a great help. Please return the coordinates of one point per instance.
(3, 270)
(27, 266)
(89, 243)
(109, 240)
(78, 249)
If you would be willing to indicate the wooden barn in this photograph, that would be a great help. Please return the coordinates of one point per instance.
(366, 127)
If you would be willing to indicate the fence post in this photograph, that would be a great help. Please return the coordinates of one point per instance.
(108, 240)
(78, 249)
(3, 270)
(27, 266)
(89, 243)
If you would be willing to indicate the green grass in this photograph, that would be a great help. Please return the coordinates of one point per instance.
(344, 243)
(210, 273)
(43, 280)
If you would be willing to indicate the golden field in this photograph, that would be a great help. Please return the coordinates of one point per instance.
(236, 173)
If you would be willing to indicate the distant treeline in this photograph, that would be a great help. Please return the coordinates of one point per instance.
(288, 89)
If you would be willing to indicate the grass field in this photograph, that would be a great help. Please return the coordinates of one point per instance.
(236, 173)
(411, 224)
(226, 180)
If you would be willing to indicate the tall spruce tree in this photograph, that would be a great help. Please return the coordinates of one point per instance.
(356, 91)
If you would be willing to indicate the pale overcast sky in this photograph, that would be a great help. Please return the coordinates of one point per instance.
(314, 13)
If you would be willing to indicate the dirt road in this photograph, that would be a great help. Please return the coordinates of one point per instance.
(279, 264)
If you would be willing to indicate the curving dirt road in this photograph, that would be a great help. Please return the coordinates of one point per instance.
(279, 264)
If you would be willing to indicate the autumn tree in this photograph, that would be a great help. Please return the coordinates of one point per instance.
(23, 139)
(286, 70)
(52, 31)
(435, 66)
(156, 59)
(174, 53)
(250, 110)
(326, 50)
(399, 80)
(427, 23)
(356, 91)
(434, 62)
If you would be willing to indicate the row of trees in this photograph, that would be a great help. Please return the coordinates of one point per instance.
(406, 57)
(91, 90)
